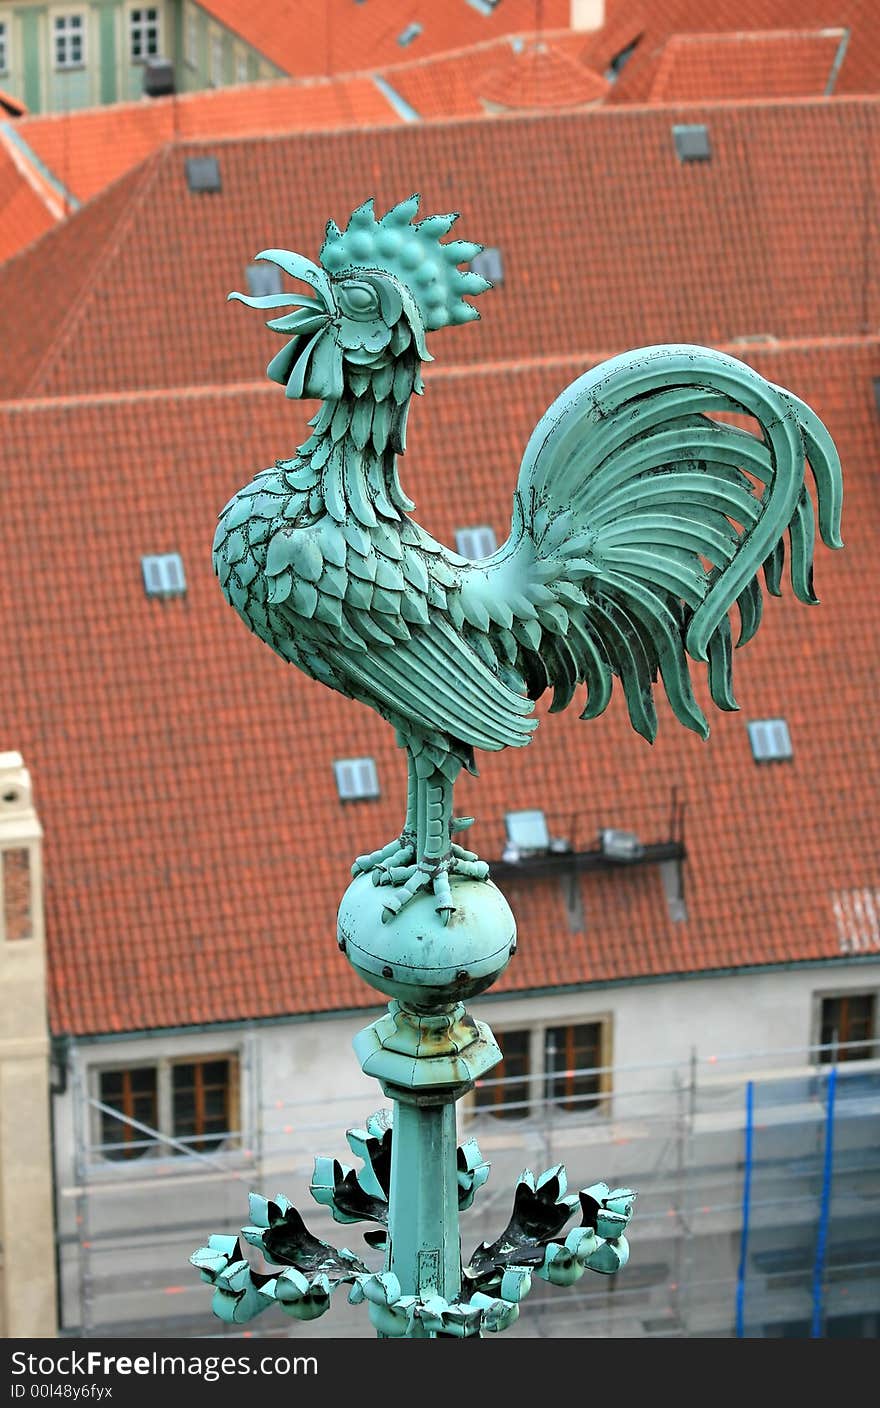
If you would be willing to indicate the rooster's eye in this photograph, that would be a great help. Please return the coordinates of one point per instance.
(358, 300)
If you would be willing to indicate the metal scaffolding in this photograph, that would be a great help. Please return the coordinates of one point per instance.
(758, 1212)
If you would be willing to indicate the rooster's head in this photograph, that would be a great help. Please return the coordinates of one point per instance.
(380, 287)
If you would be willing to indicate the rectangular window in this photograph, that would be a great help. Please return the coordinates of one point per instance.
(4, 47)
(133, 1094)
(143, 34)
(511, 1100)
(17, 918)
(241, 69)
(69, 41)
(194, 1101)
(570, 1054)
(847, 1029)
(202, 1102)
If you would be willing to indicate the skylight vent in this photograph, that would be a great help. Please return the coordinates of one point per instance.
(164, 575)
(692, 142)
(263, 279)
(620, 59)
(527, 834)
(203, 174)
(489, 264)
(356, 778)
(476, 542)
(484, 7)
(406, 36)
(770, 740)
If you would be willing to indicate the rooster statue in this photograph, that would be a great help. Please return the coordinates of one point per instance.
(639, 521)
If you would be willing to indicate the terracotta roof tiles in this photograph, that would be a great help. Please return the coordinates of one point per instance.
(24, 212)
(343, 36)
(655, 22)
(779, 64)
(781, 238)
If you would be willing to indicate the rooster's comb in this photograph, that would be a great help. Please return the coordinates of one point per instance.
(413, 254)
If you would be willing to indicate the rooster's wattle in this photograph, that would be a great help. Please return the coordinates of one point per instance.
(638, 522)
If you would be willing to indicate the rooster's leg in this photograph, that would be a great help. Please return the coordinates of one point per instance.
(438, 857)
(402, 850)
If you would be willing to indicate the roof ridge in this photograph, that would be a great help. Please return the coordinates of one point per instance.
(595, 112)
(119, 230)
(734, 346)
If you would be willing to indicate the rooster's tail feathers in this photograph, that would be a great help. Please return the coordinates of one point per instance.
(660, 519)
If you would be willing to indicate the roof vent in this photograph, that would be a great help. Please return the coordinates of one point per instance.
(620, 59)
(877, 392)
(164, 575)
(263, 279)
(620, 845)
(406, 36)
(770, 740)
(527, 835)
(484, 7)
(158, 78)
(356, 778)
(203, 173)
(475, 543)
(489, 264)
(692, 142)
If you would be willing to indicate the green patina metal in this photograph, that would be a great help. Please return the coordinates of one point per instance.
(639, 521)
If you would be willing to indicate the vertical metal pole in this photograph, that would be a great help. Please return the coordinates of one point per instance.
(424, 1249)
(746, 1207)
(824, 1210)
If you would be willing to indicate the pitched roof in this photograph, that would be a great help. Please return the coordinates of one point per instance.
(542, 76)
(654, 22)
(87, 149)
(196, 849)
(783, 240)
(25, 211)
(778, 64)
(90, 148)
(342, 36)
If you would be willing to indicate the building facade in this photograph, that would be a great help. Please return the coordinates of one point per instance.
(160, 1136)
(57, 58)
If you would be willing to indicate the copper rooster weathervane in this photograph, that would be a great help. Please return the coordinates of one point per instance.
(639, 520)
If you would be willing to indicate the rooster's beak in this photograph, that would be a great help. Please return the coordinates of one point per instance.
(309, 314)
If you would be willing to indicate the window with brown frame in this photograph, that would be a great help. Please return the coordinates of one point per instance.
(569, 1054)
(848, 1028)
(508, 1101)
(195, 1101)
(134, 1094)
(202, 1102)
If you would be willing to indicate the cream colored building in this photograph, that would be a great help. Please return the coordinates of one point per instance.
(27, 1223)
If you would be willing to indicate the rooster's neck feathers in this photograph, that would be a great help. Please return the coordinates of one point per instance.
(348, 464)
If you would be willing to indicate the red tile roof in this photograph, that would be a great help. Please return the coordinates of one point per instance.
(654, 22)
(589, 209)
(88, 149)
(542, 76)
(337, 36)
(779, 64)
(195, 846)
(24, 212)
